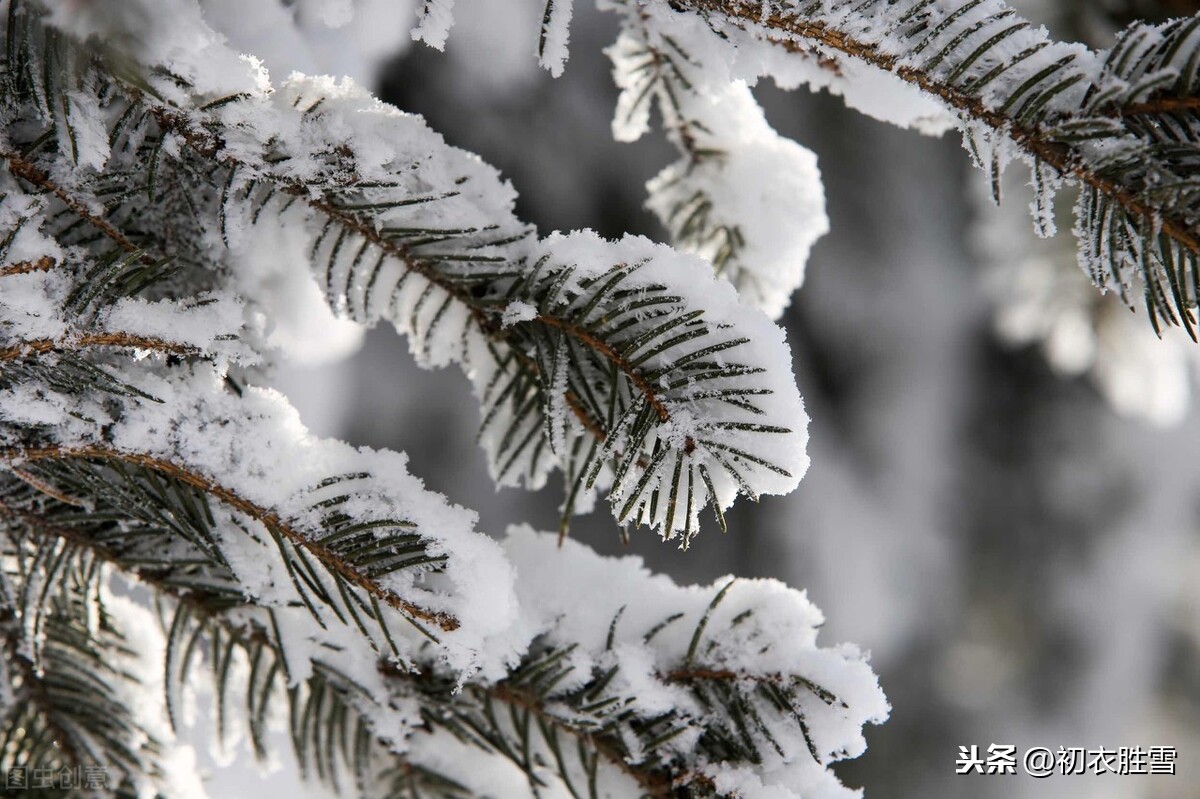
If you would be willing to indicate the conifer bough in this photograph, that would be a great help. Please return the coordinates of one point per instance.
(1121, 123)
(158, 190)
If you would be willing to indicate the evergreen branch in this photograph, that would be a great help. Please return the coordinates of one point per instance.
(1031, 138)
(733, 724)
(268, 518)
(485, 315)
(622, 361)
(734, 697)
(206, 145)
(652, 782)
(226, 619)
(517, 692)
(757, 239)
(209, 614)
(1014, 92)
(197, 599)
(614, 357)
(454, 286)
(68, 666)
(36, 691)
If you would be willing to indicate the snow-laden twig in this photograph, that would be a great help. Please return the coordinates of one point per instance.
(157, 194)
(1118, 123)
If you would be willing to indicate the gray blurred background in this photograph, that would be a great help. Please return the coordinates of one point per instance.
(1019, 557)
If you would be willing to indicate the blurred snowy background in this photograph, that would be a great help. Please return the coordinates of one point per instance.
(1004, 501)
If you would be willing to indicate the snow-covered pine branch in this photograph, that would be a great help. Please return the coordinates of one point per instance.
(300, 594)
(609, 697)
(157, 191)
(1121, 124)
(398, 226)
(741, 196)
(1042, 298)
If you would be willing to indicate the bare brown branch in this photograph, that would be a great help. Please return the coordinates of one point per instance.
(1161, 105)
(117, 339)
(43, 264)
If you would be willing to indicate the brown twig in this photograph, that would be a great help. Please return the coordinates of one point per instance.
(31, 173)
(43, 345)
(43, 264)
(585, 418)
(44, 488)
(688, 675)
(1161, 105)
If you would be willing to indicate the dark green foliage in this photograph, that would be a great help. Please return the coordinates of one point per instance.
(631, 353)
(165, 533)
(66, 689)
(535, 716)
(163, 206)
(1121, 124)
